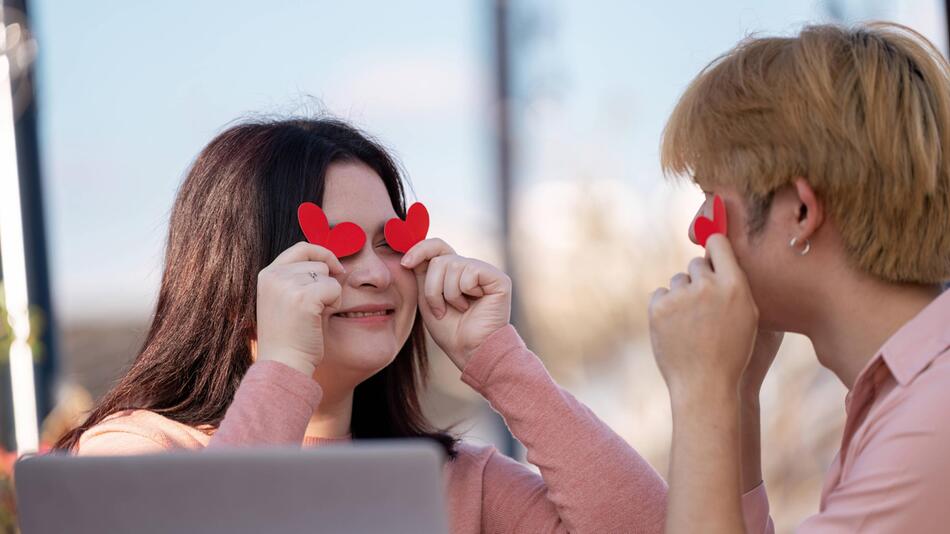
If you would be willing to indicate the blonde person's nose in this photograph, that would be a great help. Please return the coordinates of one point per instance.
(691, 232)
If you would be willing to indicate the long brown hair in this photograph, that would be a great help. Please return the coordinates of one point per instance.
(235, 212)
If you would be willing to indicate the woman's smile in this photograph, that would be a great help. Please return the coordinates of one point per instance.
(368, 315)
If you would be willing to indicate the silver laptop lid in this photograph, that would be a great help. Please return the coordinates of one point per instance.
(383, 486)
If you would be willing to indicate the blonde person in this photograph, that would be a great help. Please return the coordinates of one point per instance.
(261, 338)
(830, 149)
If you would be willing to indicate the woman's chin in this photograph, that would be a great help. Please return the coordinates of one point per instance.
(368, 361)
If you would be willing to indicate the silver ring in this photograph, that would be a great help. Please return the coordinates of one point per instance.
(314, 275)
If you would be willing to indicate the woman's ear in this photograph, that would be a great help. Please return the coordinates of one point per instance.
(809, 210)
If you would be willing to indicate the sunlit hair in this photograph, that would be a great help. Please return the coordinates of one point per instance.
(861, 113)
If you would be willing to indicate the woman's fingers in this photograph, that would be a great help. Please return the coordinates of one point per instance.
(308, 252)
(469, 282)
(452, 286)
(306, 267)
(434, 286)
(437, 267)
(447, 279)
(425, 250)
(322, 294)
(453, 281)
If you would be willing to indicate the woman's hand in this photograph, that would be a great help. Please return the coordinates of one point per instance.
(703, 327)
(462, 300)
(291, 303)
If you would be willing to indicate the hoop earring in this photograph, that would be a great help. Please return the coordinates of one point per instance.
(794, 242)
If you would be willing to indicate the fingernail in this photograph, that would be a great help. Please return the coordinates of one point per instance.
(404, 261)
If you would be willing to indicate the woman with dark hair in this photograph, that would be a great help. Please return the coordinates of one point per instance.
(261, 338)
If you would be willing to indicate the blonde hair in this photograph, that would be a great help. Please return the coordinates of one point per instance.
(863, 114)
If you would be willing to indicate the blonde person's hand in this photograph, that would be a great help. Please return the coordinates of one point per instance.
(764, 350)
(703, 327)
(292, 294)
(462, 300)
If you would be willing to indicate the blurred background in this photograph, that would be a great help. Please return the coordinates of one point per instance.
(530, 129)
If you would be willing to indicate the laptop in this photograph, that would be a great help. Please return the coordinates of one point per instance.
(362, 487)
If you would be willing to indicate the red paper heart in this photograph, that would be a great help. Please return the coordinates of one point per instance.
(402, 235)
(703, 227)
(342, 240)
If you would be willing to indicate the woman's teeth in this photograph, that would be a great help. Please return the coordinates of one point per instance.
(353, 315)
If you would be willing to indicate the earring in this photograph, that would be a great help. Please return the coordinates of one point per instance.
(794, 242)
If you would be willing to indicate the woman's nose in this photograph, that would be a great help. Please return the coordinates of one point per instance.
(366, 268)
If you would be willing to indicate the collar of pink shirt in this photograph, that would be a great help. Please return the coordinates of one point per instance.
(905, 354)
(911, 349)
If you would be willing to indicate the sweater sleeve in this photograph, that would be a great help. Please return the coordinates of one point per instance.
(591, 479)
(272, 406)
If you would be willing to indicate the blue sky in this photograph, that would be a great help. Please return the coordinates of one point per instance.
(131, 91)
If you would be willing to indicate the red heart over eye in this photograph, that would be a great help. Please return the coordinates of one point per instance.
(402, 235)
(343, 240)
(703, 227)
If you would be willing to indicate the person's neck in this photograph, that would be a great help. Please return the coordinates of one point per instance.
(333, 417)
(857, 315)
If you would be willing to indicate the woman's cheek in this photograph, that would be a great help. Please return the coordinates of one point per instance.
(409, 290)
(405, 282)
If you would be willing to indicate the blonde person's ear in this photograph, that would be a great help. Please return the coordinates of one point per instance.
(810, 212)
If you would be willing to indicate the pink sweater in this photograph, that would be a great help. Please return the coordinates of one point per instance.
(591, 479)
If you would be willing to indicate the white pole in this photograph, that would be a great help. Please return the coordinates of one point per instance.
(13, 266)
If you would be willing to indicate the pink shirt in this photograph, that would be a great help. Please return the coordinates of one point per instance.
(591, 480)
(892, 472)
